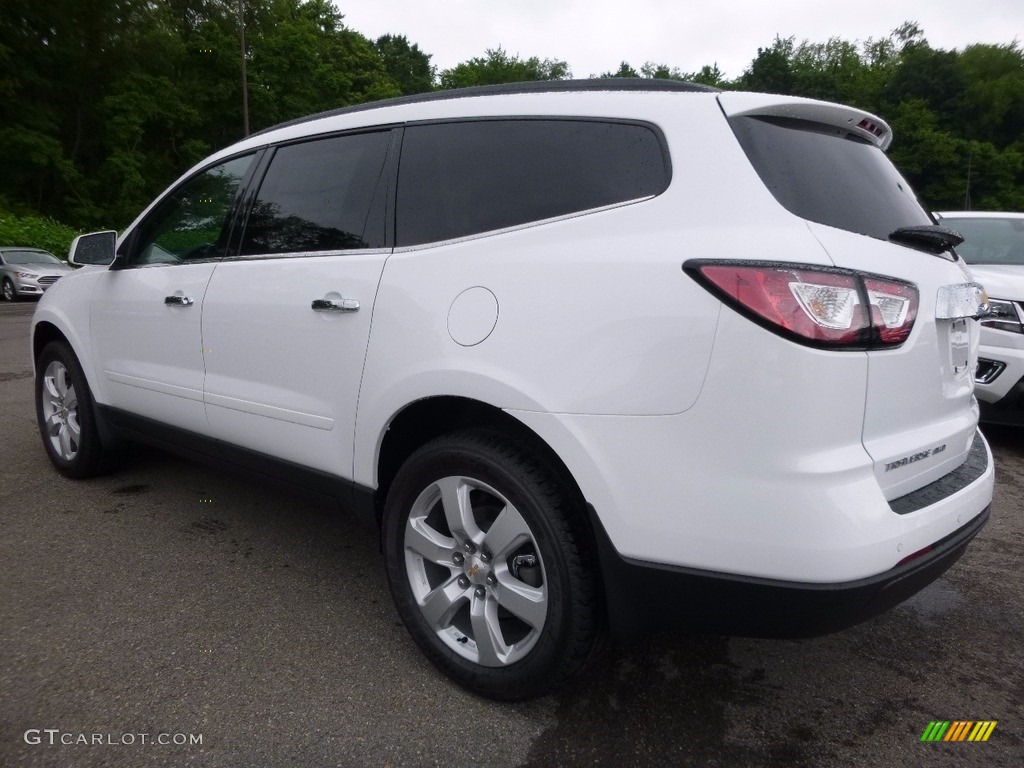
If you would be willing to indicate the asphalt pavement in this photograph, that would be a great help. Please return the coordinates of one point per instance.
(172, 614)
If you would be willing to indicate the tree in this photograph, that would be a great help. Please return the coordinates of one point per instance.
(497, 67)
(407, 65)
(772, 70)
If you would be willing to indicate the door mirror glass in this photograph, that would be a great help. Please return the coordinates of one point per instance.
(96, 248)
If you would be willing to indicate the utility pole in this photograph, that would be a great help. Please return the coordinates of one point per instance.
(967, 192)
(245, 79)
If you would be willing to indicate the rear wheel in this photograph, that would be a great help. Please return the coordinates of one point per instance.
(64, 412)
(486, 561)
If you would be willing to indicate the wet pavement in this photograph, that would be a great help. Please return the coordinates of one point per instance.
(170, 600)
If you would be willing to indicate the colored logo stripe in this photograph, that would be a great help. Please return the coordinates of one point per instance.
(958, 730)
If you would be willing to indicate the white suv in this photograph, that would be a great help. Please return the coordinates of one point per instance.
(994, 248)
(630, 353)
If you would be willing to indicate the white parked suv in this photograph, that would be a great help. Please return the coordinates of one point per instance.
(634, 354)
(994, 249)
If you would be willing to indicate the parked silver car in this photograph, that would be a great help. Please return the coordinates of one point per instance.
(28, 272)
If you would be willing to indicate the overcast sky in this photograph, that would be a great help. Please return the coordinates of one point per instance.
(594, 36)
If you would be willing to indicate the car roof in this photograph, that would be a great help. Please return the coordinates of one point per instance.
(541, 86)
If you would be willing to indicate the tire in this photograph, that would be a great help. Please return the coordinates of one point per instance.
(8, 290)
(65, 415)
(487, 559)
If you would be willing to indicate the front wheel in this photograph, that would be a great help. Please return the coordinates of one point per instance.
(8, 290)
(64, 412)
(488, 564)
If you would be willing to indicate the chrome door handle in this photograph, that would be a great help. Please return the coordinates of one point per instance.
(335, 305)
(183, 301)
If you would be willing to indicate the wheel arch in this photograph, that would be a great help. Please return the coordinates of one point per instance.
(44, 333)
(423, 420)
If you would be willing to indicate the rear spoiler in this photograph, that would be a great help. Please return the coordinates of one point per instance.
(863, 124)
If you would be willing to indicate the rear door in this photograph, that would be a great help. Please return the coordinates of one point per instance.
(825, 163)
(287, 320)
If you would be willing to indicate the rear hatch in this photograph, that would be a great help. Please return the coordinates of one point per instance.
(825, 163)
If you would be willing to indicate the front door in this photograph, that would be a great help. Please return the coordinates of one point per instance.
(146, 317)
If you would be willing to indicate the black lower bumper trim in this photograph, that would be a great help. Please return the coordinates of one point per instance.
(972, 468)
(644, 597)
(1009, 410)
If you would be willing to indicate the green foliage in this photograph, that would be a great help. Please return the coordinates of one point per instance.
(497, 67)
(104, 102)
(35, 232)
(406, 64)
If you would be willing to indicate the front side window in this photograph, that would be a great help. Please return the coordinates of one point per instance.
(318, 196)
(464, 178)
(193, 222)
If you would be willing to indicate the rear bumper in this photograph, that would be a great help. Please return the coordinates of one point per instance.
(644, 597)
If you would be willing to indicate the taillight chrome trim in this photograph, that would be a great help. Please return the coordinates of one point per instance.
(870, 337)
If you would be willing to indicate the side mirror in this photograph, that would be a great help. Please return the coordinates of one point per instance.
(96, 248)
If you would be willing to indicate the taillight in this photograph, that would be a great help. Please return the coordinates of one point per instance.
(828, 308)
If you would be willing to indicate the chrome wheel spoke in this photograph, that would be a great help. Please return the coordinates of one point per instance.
(490, 645)
(66, 449)
(53, 425)
(71, 399)
(508, 532)
(74, 429)
(428, 543)
(61, 380)
(50, 384)
(527, 603)
(440, 605)
(457, 509)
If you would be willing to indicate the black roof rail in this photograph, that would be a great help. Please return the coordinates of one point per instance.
(533, 86)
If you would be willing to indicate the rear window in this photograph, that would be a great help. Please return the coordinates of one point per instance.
(829, 176)
(989, 240)
(464, 178)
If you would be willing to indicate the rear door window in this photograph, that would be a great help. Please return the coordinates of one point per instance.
(320, 196)
(829, 176)
(463, 178)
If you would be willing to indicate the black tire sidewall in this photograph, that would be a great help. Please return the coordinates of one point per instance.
(470, 455)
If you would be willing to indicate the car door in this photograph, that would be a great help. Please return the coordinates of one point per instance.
(146, 313)
(286, 321)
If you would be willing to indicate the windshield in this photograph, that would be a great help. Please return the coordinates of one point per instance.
(30, 257)
(989, 240)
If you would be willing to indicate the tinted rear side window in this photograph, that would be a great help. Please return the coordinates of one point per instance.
(459, 179)
(318, 196)
(826, 175)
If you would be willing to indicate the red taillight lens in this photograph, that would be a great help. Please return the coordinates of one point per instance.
(893, 309)
(834, 309)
